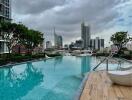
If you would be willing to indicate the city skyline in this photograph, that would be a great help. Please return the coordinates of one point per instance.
(104, 17)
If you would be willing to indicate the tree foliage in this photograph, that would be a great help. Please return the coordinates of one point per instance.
(7, 30)
(20, 34)
(120, 39)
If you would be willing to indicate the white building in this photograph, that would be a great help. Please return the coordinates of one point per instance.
(129, 46)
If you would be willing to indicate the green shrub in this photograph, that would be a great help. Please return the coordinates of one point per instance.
(54, 55)
(6, 58)
(101, 54)
(3, 61)
(129, 57)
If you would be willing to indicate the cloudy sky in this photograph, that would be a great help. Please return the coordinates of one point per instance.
(105, 17)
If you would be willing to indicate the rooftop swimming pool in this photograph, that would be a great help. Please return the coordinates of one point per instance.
(53, 79)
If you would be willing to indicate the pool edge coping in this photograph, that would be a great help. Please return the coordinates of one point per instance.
(81, 87)
(17, 63)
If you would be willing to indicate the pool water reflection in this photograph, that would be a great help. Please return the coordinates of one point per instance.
(16, 82)
(53, 79)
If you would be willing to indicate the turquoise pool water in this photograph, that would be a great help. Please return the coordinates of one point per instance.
(53, 79)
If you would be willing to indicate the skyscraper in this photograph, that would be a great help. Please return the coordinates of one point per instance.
(97, 43)
(85, 36)
(5, 10)
(55, 38)
(101, 43)
(5, 15)
(92, 44)
(58, 40)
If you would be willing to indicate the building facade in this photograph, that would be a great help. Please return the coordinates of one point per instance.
(101, 43)
(129, 46)
(5, 10)
(58, 41)
(97, 43)
(78, 44)
(85, 36)
(92, 44)
(5, 15)
(48, 45)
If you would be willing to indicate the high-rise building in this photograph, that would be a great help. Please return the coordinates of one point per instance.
(92, 44)
(96, 43)
(85, 36)
(101, 43)
(55, 38)
(58, 40)
(5, 15)
(48, 45)
(5, 10)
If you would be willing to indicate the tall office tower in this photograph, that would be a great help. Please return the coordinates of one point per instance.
(97, 43)
(101, 43)
(85, 36)
(55, 38)
(5, 10)
(58, 41)
(5, 15)
(92, 44)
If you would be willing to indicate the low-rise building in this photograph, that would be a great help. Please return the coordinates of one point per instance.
(129, 46)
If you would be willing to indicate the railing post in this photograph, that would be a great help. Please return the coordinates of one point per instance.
(107, 63)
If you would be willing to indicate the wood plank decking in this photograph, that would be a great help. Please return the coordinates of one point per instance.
(99, 87)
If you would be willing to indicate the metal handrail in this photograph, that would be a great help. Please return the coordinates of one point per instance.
(111, 55)
(98, 64)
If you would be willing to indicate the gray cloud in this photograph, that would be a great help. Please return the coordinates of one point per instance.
(34, 6)
(66, 15)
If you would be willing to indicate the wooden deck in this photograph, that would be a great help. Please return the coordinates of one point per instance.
(99, 87)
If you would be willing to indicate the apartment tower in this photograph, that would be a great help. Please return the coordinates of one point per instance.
(5, 15)
(85, 36)
(5, 10)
